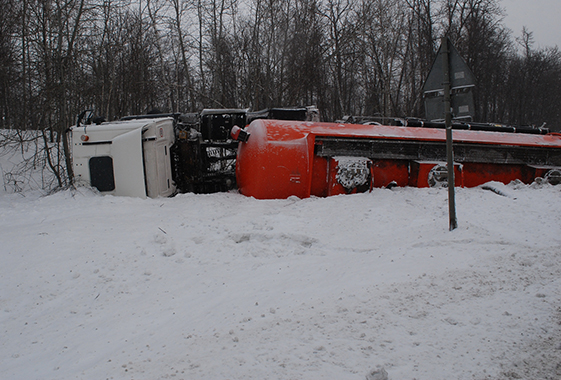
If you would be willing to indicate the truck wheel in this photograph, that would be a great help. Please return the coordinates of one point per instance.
(438, 176)
(553, 176)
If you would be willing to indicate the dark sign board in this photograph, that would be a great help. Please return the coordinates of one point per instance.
(462, 82)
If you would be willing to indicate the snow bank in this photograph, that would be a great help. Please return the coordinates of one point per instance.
(228, 287)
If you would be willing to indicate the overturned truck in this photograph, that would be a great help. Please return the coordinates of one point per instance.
(162, 154)
(279, 153)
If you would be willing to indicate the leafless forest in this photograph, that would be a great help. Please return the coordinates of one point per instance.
(359, 57)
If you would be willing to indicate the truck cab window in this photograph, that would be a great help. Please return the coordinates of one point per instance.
(101, 173)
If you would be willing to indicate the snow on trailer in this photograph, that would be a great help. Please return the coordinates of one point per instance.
(286, 158)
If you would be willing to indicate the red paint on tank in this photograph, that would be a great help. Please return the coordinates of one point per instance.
(279, 159)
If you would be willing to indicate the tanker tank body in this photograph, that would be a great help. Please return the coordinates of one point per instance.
(288, 158)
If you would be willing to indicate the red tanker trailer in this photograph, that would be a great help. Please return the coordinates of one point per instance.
(291, 158)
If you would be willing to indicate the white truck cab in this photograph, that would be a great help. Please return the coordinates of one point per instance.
(130, 158)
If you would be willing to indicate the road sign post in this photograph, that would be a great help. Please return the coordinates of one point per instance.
(448, 122)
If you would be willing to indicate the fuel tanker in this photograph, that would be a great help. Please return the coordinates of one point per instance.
(278, 153)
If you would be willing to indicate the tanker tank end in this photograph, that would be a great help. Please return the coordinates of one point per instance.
(280, 159)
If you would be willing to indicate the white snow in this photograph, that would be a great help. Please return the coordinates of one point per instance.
(228, 287)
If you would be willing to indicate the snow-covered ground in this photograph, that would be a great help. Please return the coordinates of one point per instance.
(228, 287)
(369, 286)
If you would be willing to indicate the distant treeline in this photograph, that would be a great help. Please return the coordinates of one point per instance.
(347, 57)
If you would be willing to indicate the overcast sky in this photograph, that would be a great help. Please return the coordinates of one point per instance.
(542, 17)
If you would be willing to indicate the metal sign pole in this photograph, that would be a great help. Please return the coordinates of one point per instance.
(448, 120)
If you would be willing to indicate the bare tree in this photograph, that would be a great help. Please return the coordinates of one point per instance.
(533, 84)
(184, 86)
(384, 43)
(8, 62)
(342, 53)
